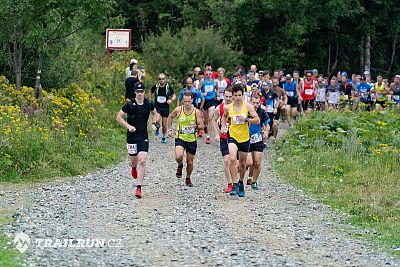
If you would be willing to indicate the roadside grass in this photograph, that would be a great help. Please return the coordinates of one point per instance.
(9, 256)
(350, 161)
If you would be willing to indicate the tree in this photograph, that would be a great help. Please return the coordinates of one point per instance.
(36, 26)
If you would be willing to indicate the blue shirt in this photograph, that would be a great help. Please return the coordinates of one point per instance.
(209, 87)
(290, 89)
(264, 120)
(197, 96)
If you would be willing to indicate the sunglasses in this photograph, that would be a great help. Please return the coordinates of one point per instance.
(140, 91)
(161, 79)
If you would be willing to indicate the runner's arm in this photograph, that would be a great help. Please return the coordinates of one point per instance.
(224, 119)
(199, 118)
(172, 115)
(254, 116)
(123, 122)
(215, 121)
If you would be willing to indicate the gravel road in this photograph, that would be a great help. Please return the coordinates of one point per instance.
(173, 225)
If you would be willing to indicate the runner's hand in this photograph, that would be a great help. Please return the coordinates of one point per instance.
(169, 101)
(217, 138)
(131, 129)
(170, 133)
(154, 127)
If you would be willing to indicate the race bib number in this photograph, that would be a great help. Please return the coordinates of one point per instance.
(389, 97)
(396, 97)
(236, 119)
(309, 91)
(132, 148)
(209, 88)
(198, 100)
(161, 99)
(255, 138)
(364, 95)
(270, 109)
(346, 97)
(378, 95)
(188, 129)
(290, 93)
(333, 98)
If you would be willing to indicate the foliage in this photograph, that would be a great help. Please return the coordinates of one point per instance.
(350, 160)
(67, 131)
(175, 54)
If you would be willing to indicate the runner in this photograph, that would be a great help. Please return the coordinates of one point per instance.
(189, 121)
(292, 92)
(209, 88)
(223, 82)
(308, 91)
(395, 88)
(364, 90)
(333, 94)
(239, 135)
(380, 90)
(222, 138)
(198, 98)
(320, 99)
(163, 97)
(345, 89)
(257, 132)
(138, 111)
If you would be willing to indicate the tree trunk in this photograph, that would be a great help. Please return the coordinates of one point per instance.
(38, 86)
(368, 52)
(17, 63)
(393, 52)
(362, 54)
(328, 70)
(336, 60)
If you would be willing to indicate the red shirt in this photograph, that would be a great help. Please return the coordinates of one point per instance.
(307, 92)
(221, 113)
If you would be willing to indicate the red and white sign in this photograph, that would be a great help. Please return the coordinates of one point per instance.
(118, 39)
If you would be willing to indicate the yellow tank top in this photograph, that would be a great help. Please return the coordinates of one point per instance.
(187, 126)
(239, 130)
(380, 92)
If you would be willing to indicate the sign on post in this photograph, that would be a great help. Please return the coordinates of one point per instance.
(117, 39)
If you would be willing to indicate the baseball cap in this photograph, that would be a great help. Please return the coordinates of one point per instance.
(254, 85)
(344, 73)
(133, 60)
(366, 72)
(314, 71)
(288, 76)
(362, 78)
(139, 86)
(397, 76)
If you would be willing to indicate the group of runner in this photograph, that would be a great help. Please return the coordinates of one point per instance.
(243, 112)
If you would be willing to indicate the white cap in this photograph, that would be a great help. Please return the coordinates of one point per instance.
(133, 60)
(366, 72)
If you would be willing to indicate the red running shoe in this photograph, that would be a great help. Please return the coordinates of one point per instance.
(138, 193)
(207, 140)
(179, 171)
(228, 189)
(188, 182)
(200, 134)
(134, 173)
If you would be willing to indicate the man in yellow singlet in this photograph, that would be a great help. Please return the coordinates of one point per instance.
(241, 113)
(189, 122)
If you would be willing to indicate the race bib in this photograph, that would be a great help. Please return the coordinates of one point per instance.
(378, 95)
(333, 98)
(290, 93)
(270, 109)
(198, 100)
(364, 95)
(236, 119)
(221, 96)
(346, 97)
(396, 97)
(209, 88)
(188, 129)
(132, 149)
(309, 91)
(161, 99)
(255, 138)
(389, 97)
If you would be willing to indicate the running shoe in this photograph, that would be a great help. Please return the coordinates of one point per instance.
(205, 130)
(208, 140)
(228, 189)
(254, 186)
(241, 190)
(234, 191)
(200, 134)
(188, 182)
(134, 173)
(249, 181)
(179, 171)
(157, 132)
(138, 193)
(164, 140)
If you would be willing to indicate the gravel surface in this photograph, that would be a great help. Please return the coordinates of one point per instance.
(173, 225)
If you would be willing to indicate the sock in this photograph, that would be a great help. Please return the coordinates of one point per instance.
(187, 178)
(240, 182)
(139, 186)
(235, 184)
